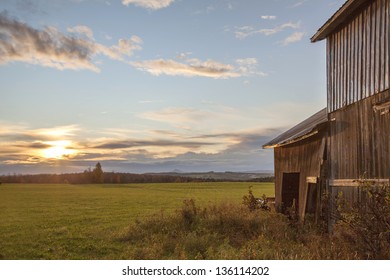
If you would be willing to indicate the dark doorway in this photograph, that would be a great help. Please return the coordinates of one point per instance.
(312, 196)
(290, 191)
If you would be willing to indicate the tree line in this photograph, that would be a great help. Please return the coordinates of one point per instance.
(98, 176)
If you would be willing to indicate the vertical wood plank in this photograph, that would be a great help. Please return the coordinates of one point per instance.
(387, 44)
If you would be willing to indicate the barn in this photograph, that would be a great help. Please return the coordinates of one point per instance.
(348, 142)
(299, 157)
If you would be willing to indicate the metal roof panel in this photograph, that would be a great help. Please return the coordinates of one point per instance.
(303, 130)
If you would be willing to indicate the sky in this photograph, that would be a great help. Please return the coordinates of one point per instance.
(155, 85)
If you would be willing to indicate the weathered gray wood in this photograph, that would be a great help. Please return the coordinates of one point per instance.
(357, 182)
(304, 157)
(359, 139)
(358, 57)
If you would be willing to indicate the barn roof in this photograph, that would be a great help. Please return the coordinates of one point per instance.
(344, 14)
(303, 130)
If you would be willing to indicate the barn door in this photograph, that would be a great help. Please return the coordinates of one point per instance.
(290, 191)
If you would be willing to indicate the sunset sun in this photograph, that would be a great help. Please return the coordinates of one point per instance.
(58, 150)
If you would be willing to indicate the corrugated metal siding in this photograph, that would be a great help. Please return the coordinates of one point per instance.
(359, 140)
(358, 57)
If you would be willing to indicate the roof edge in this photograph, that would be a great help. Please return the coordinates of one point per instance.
(337, 19)
(303, 130)
(292, 141)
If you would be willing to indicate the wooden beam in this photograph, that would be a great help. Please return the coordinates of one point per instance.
(383, 108)
(311, 180)
(356, 182)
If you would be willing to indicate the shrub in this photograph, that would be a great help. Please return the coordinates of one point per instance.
(254, 203)
(189, 212)
(366, 225)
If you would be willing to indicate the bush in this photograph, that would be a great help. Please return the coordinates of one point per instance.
(254, 203)
(366, 225)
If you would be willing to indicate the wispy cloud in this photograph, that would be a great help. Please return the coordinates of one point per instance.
(191, 67)
(246, 31)
(249, 67)
(293, 38)
(299, 3)
(149, 4)
(195, 67)
(51, 48)
(268, 17)
(77, 50)
(179, 117)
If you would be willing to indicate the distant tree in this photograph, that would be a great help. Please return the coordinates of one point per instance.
(98, 174)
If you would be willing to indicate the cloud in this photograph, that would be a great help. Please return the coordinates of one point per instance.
(160, 150)
(26, 145)
(293, 38)
(192, 68)
(125, 48)
(268, 17)
(34, 145)
(51, 48)
(299, 3)
(56, 132)
(248, 67)
(77, 49)
(246, 31)
(149, 4)
(127, 144)
(179, 116)
(83, 30)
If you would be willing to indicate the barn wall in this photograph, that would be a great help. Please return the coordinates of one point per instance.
(359, 140)
(358, 57)
(304, 157)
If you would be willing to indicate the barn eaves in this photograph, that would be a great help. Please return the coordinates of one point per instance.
(339, 18)
(303, 130)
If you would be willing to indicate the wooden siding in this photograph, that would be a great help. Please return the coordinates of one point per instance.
(304, 157)
(359, 140)
(358, 56)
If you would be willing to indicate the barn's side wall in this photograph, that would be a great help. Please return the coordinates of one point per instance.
(304, 157)
(359, 140)
(358, 56)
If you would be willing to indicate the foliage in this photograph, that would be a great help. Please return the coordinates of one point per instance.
(366, 225)
(254, 203)
(98, 174)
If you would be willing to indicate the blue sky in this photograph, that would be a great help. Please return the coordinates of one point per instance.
(155, 85)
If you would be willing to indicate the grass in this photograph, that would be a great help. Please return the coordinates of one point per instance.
(88, 221)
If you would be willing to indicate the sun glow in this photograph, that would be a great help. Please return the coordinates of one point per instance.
(58, 150)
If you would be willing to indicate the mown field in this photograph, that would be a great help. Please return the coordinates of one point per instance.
(43, 221)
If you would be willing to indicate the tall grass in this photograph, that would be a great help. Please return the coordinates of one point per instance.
(228, 231)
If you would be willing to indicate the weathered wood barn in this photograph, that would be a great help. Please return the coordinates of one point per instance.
(349, 141)
(299, 163)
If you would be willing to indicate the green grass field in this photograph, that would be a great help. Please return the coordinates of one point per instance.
(40, 221)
